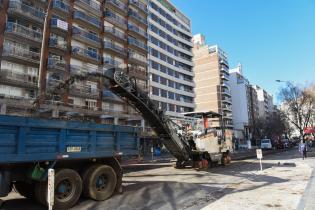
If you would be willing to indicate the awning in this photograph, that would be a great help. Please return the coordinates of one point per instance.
(309, 130)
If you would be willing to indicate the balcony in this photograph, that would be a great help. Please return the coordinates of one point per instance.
(226, 92)
(86, 20)
(224, 70)
(117, 5)
(52, 83)
(83, 70)
(115, 48)
(111, 62)
(25, 11)
(60, 7)
(59, 26)
(56, 65)
(137, 72)
(117, 35)
(86, 55)
(225, 84)
(137, 30)
(224, 62)
(86, 37)
(140, 45)
(87, 91)
(21, 55)
(137, 58)
(226, 100)
(23, 33)
(139, 5)
(115, 19)
(59, 46)
(225, 76)
(18, 79)
(137, 17)
(90, 6)
(226, 107)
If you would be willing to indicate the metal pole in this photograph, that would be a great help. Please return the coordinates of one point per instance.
(51, 188)
(260, 164)
(41, 62)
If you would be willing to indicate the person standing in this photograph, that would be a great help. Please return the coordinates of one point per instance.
(303, 149)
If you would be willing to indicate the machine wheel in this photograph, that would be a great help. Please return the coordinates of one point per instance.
(226, 159)
(26, 189)
(68, 188)
(99, 182)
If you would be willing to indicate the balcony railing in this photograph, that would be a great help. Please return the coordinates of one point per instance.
(138, 30)
(136, 43)
(26, 10)
(111, 62)
(60, 5)
(86, 90)
(21, 53)
(54, 42)
(112, 16)
(86, 18)
(52, 82)
(20, 78)
(115, 47)
(138, 57)
(82, 70)
(135, 15)
(56, 64)
(139, 5)
(116, 33)
(90, 37)
(118, 4)
(23, 31)
(90, 54)
(90, 4)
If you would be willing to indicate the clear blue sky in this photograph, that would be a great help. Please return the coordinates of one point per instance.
(273, 39)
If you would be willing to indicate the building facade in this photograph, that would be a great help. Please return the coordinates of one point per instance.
(213, 92)
(265, 103)
(81, 36)
(170, 58)
(241, 107)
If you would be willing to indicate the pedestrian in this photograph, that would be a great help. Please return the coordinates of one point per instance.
(303, 150)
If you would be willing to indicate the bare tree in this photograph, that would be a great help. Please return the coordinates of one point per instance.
(297, 106)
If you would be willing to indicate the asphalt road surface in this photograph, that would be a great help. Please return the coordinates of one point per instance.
(240, 185)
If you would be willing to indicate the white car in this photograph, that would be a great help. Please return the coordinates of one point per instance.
(265, 144)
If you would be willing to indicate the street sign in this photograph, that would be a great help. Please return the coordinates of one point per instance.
(259, 153)
(51, 188)
(259, 156)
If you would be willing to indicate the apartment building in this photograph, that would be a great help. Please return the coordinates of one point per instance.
(170, 58)
(81, 36)
(265, 103)
(213, 92)
(241, 107)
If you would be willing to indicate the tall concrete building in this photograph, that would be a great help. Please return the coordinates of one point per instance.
(82, 36)
(265, 103)
(213, 92)
(170, 58)
(241, 109)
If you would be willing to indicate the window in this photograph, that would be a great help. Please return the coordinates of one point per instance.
(171, 107)
(163, 81)
(163, 93)
(155, 65)
(171, 83)
(163, 68)
(171, 95)
(155, 53)
(155, 91)
(155, 78)
(162, 57)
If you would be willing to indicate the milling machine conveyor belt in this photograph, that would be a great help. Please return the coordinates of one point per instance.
(126, 88)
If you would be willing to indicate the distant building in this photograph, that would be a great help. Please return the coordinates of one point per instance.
(265, 103)
(213, 92)
(241, 107)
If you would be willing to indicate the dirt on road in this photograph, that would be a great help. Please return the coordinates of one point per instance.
(238, 186)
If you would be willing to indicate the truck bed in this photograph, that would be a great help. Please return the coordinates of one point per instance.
(24, 139)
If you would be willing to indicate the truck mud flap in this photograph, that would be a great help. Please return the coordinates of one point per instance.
(5, 183)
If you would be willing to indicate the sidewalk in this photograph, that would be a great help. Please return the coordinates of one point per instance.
(308, 200)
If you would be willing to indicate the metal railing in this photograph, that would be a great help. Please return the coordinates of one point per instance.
(135, 15)
(116, 18)
(6, 74)
(118, 4)
(116, 33)
(138, 30)
(135, 42)
(59, 4)
(140, 5)
(86, 35)
(26, 10)
(137, 57)
(23, 31)
(54, 42)
(115, 47)
(12, 50)
(82, 16)
(58, 64)
(84, 89)
(85, 53)
(90, 4)
(111, 62)
(82, 70)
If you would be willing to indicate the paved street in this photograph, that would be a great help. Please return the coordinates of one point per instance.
(241, 185)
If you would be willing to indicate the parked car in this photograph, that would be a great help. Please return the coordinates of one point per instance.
(265, 144)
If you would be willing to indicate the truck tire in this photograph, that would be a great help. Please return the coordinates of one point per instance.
(99, 182)
(68, 189)
(26, 189)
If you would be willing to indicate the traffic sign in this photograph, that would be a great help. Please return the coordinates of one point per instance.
(259, 153)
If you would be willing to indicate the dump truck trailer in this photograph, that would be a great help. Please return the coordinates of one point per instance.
(84, 156)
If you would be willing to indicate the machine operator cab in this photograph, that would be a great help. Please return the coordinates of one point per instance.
(212, 142)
